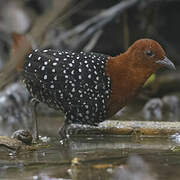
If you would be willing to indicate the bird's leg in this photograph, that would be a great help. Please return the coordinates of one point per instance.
(34, 103)
(63, 132)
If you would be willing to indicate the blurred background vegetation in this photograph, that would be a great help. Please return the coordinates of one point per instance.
(156, 19)
(105, 26)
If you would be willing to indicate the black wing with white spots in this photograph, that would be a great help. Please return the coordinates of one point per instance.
(75, 83)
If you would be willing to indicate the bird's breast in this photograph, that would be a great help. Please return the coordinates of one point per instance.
(125, 84)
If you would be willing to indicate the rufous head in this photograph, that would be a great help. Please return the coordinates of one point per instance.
(147, 53)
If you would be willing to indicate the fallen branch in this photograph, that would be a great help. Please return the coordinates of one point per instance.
(145, 128)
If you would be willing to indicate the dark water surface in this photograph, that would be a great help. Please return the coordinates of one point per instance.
(94, 157)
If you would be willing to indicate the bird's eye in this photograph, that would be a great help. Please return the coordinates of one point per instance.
(149, 53)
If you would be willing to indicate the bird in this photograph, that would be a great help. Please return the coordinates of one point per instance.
(89, 87)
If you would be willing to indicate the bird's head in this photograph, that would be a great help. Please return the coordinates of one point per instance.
(147, 53)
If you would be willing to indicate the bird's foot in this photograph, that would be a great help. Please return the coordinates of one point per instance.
(23, 135)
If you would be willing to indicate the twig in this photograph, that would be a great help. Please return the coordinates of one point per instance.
(109, 14)
(73, 10)
(42, 23)
(90, 26)
(93, 41)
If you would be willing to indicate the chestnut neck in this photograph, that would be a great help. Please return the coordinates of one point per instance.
(126, 80)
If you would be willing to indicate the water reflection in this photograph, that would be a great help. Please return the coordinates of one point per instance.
(92, 157)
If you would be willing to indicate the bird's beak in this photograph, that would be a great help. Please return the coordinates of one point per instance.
(166, 63)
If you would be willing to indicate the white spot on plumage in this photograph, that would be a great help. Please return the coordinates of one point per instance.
(89, 76)
(70, 95)
(39, 58)
(45, 77)
(55, 78)
(45, 50)
(53, 70)
(45, 63)
(55, 64)
(80, 77)
(30, 55)
(52, 86)
(80, 91)
(97, 78)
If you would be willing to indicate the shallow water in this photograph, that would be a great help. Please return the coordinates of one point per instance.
(92, 157)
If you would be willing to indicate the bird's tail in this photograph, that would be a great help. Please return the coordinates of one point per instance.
(20, 47)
